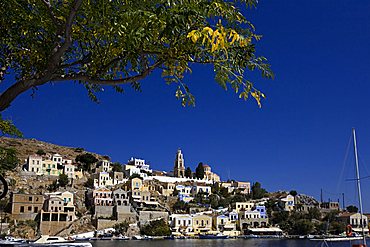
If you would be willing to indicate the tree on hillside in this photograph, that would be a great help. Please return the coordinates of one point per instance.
(8, 159)
(121, 228)
(352, 209)
(156, 228)
(199, 171)
(63, 180)
(117, 167)
(40, 152)
(257, 191)
(89, 183)
(188, 173)
(293, 193)
(86, 160)
(98, 44)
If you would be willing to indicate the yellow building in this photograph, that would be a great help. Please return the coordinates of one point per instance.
(202, 223)
(244, 206)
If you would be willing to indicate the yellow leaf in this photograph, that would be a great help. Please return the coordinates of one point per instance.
(208, 30)
(193, 35)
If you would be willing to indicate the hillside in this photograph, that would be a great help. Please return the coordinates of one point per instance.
(24, 182)
(26, 147)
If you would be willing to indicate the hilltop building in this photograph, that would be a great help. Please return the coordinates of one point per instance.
(179, 168)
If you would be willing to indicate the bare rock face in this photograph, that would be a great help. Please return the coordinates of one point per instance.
(82, 224)
(133, 230)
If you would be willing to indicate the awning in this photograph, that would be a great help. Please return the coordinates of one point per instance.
(356, 229)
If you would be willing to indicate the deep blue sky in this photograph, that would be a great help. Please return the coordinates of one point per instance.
(320, 53)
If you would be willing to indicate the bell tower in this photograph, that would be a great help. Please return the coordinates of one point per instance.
(179, 168)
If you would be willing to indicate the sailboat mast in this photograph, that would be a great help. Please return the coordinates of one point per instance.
(358, 185)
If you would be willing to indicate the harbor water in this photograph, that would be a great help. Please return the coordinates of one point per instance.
(218, 243)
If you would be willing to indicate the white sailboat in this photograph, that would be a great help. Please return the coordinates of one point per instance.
(357, 179)
(358, 191)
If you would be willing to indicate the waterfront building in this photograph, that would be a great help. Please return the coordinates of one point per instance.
(251, 219)
(57, 213)
(202, 223)
(102, 197)
(26, 206)
(356, 220)
(182, 223)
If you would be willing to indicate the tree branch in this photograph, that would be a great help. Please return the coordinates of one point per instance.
(16, 89)
(51, 13)
(60, 50)
(113, 82)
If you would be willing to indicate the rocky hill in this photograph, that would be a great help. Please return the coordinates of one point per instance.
(24, 182)
(26, 147)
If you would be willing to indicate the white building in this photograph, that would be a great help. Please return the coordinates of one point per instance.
(206, 189)
(34, 164)
(181, 223)
(104, 166)
(139, 163)
(102, 179)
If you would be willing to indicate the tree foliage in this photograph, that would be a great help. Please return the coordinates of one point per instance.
(40, 152)
(86, 160)
(7, 128)
(180, 207)
(111, 43)
(156, 228)
(63, 180)
(121, 228)
(199, 171)
(352, 209)
(8, 159)
(257, 191)
(188, 172)
(89, 183)
(117, 167)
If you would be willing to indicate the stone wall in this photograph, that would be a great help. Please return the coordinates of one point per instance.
(106, 223)
(103, 211)
(52, 227)
(146, 216)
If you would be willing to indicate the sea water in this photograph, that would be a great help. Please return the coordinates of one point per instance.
(217, 243)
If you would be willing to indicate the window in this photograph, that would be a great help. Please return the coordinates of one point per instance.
(21, 209)
(35, 209)
(30, 198)
(29, 208)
